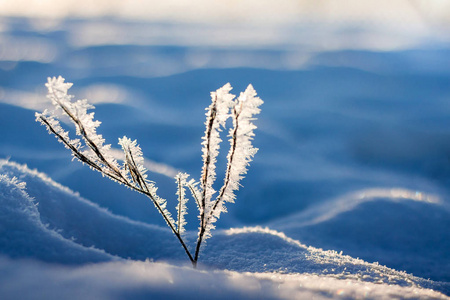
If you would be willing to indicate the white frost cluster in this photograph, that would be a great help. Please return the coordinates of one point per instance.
(241, 149)
(134, 161)
(135, 173)
(90, 148)
(182, 200)
(216, 117)
(242, 111)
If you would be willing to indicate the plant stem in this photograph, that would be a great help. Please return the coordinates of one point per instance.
(143, 188)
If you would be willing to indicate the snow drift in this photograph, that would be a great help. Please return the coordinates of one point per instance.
(80, 249)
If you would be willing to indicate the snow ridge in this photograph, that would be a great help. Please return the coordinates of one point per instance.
(259, 259)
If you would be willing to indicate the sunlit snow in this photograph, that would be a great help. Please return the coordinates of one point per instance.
(347, 197)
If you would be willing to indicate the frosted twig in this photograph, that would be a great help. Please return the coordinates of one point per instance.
(239, 156)
(90, 150)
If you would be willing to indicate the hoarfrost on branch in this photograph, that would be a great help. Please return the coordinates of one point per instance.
(90, 149)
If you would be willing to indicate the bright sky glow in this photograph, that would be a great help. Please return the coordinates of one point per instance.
(381, 25)
(260, 11)
(402, 11)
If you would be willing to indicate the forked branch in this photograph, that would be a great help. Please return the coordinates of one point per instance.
(90, 150)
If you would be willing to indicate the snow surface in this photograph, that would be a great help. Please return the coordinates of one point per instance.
(66, 229)
(353, 136)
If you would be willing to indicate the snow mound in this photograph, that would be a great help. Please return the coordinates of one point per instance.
(390, 225)
(89, 225)
(257, 249)
(146, 280)
(258, 259)
(24, 235)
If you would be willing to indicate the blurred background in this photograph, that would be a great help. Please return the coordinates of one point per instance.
(354, 135)
(211, 30)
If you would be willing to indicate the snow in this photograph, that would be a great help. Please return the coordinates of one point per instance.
(143, 280)
(249, 262)
(347, 197)
(24, 235)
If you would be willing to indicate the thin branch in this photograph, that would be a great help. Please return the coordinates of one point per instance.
(194, 194)
(226, 182)
(83, 133)
(161, 211)
(143, 189)
(230, 164)
(205, 175)
(179, 203)
(207, 160)
(75, 151)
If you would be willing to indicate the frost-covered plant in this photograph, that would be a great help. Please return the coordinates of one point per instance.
(90, 149)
